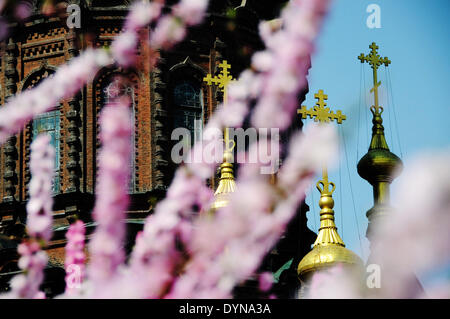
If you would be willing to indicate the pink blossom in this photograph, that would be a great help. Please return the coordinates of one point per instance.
(168, 32)
(33, 261)
(124, 48)
(3, 28)
(263, 61)
(191, 11)
(334, 283)
(245, 230)
(319, 154)
(39, 207)
(291, 47)
(156, 256)
(68, 80)
(422, 211)
(178, 252)
(75, 257)
(111, 192)
(265, 281)
(22, 11)
(39, 221)
(142, 14)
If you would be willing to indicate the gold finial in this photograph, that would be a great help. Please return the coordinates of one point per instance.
(329, 248)
(328, 231)
(227, 184)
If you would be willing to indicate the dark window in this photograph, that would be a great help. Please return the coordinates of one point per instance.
(188, 108)
(49, 123)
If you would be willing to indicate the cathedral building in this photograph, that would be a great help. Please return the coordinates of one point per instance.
(168, 96)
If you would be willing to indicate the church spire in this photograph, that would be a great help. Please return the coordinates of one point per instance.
(227, 184)
(329, 249)
(379, 166)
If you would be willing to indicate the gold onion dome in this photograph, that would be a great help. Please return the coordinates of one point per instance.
(379, 164)
(329, 249)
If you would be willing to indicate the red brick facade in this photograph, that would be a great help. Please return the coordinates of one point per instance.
(35, 50)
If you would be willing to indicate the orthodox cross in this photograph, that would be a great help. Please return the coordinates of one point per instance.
(222, 81)
(320, 113)
(227, 184)
(323, 114)
(375, 61)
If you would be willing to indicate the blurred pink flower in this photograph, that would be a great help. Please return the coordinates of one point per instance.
(70, 78)
(3, 28)
(33, 261)
(265, 281)
(168, 32)
(319, 154)
(191, 11)
(244, 231)
(106, 245)
(67, 81)
(178, 254)
(334, 283)
(23, 10)
(75, 257)
(39, 206)
(422, 215)
(289, 42)
(142, 14)
(124, 48)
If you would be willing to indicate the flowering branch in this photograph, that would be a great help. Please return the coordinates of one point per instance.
(75, 258)
(70, 78)
(33, 259)
(106, 245)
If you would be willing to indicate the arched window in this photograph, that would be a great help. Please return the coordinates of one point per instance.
(118, 89)
(188, 108)
(49, 123)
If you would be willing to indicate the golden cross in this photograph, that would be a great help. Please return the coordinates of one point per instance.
(320, 113)
(222, 81)
(323, 114)
(375, 61)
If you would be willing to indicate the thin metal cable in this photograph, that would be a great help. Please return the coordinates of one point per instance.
(365, 107)
(389, 106)
(351, 192)
(395, 113)
(340, 195)
(359, 112)
(312, 207)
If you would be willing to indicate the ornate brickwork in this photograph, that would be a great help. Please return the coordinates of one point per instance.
(73, 137)
(161, 139)
(10, 148)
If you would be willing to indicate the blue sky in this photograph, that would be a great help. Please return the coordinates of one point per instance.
(414, 35)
